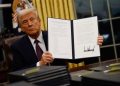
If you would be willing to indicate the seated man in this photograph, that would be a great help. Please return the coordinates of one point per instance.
(25, 51)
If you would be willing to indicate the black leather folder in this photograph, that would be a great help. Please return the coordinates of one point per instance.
(45, 75)
(101, 79)
(21, 83)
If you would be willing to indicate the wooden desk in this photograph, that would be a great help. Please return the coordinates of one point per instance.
(94, 75)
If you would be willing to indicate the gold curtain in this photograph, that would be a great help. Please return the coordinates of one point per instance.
(63, 9)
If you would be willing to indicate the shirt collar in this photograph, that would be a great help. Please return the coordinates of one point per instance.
(40, 38)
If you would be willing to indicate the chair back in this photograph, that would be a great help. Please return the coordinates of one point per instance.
(7, 42)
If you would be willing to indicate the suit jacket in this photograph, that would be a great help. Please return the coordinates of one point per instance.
(24, 55)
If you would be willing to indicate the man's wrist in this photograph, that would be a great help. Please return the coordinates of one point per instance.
(40, 63)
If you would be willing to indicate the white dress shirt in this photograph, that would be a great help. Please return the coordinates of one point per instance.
(41, 44)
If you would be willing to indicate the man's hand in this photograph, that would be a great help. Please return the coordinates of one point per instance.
(46, 58)
(100, 40)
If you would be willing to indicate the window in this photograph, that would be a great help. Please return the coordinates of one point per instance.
(5, 15)
(108, 12)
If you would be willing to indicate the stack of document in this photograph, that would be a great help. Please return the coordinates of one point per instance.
(46, 76)
(21, 83)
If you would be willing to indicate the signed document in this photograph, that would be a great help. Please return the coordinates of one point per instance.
(73, 39)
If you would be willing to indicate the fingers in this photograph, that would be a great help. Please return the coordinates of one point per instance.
(47, 58)
(100, 40)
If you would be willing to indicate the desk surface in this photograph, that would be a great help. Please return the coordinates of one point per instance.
(111, 76)
(97, 73)
(77, 75)
(92, 78)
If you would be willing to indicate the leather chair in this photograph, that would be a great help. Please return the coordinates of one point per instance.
(6, 62)
(6, 48)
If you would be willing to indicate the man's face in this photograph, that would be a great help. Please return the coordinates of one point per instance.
(30, 23)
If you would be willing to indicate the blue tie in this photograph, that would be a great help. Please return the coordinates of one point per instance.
(39, 51)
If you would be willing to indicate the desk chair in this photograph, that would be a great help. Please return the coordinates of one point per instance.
(7, 57)
(6, 48)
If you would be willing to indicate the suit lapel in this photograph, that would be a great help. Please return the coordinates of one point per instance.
(28, 48)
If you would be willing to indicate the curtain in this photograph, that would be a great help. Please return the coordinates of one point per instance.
(63, 9)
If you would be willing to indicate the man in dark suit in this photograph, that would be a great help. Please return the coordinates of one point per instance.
(24, 50)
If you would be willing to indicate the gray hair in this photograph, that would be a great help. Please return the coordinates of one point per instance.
(25, 11)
